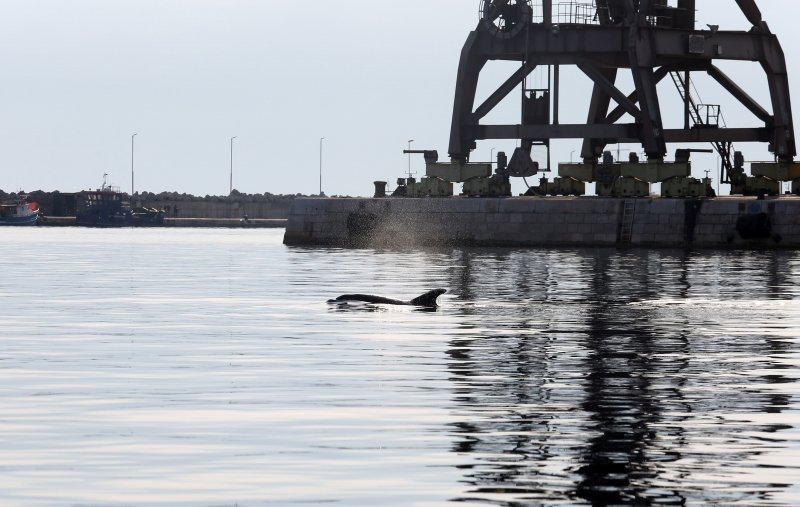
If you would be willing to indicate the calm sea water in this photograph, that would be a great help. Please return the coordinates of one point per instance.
(204, 367)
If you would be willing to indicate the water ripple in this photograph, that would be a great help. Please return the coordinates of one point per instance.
(203, 367)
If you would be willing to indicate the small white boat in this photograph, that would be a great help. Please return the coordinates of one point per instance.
(21, 213)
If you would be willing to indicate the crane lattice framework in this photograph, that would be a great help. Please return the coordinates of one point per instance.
(648, 37)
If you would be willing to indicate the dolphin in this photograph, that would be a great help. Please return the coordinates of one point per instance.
(427, 300)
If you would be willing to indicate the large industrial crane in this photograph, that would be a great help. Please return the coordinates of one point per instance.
(649, 38)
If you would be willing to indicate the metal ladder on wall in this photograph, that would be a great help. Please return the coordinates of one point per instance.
(626, 224)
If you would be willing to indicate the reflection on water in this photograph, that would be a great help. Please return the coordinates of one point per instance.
(178, 367)
(629, 378)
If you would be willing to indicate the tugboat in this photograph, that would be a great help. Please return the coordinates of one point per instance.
(106, 207)
(19, 213)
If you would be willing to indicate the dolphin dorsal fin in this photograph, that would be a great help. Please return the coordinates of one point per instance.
(429, 298)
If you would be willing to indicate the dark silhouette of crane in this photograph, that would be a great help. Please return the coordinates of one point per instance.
(649, 38)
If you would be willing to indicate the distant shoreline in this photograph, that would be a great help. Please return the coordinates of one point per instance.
(225, 223)
(61, 205)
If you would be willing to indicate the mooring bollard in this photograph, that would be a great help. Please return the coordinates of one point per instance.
(380, 189)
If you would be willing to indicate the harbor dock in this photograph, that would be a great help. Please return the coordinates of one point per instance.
(723, 222)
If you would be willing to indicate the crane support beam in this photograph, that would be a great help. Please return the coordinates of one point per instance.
(739, 94)
(598, 107)
(612, 91)
(618, 133)
(504, 89)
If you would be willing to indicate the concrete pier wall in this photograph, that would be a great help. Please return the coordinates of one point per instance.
(220, 209)
(544, 221)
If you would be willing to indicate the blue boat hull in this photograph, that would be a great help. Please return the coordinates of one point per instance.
(23, 220)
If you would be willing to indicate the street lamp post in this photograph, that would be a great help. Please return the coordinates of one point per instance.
(409, 156)
(491, 155)
(320, 165)
(230, 191)
(570, 155)
(132, 145)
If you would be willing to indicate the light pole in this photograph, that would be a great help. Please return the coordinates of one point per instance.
(491, 155)
(132, 145)
(570, 155)
(320, 165)
(409, 156)
(230, 191)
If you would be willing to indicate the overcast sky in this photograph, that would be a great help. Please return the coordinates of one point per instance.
(79, 77)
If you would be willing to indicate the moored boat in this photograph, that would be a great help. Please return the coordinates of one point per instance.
(19, 213)
(106, 207)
